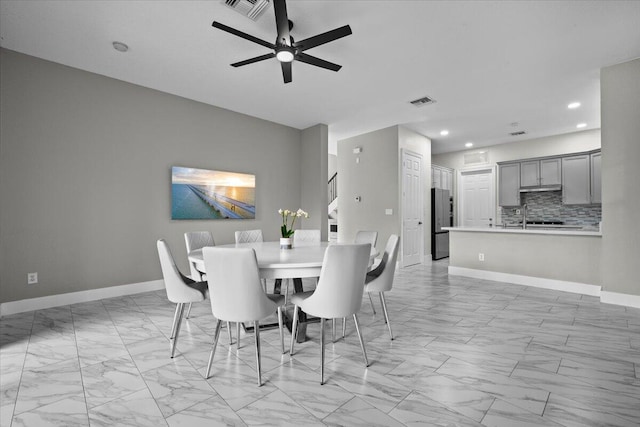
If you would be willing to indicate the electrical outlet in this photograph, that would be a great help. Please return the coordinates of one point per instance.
(32, 278)
(480, 256)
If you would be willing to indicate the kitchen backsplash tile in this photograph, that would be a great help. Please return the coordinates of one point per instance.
(547, 206)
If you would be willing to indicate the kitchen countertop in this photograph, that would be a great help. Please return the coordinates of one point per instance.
(533, 230)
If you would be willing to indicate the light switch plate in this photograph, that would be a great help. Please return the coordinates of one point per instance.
(388, 211)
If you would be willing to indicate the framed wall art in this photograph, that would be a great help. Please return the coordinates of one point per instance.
(212, 194)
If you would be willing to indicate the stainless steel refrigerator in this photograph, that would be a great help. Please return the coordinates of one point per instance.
(441, 216)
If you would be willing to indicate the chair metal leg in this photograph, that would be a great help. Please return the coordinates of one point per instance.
(238, 336)
(294, 329)
(229, 331)
(177, 328)
(333, 330)
(175, 321)
(188, 311)
(364, 352)
(344, 327)
(256, 328)
(382, 303)
(280, 327)
(213, 348)
(386, 314)
(322, 351)
(371, 301)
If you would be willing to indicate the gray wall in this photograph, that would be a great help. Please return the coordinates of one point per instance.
(620, 97)
(376, 179)
(85, 175)
(313, 172)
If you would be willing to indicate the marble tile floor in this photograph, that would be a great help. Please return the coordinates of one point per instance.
(467, 353)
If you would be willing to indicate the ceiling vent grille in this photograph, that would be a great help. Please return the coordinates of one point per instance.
(518, 133)
(425, 100)
(252, 9)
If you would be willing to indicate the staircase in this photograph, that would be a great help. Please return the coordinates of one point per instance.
(333, 208)
(333, 197)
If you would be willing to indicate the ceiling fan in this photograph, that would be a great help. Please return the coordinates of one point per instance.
(285, 49)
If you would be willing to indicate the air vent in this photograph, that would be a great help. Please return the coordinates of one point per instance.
(425, 100)
(252, 9)
(518, 133)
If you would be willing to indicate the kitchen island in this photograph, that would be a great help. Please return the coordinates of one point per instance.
(553, 258)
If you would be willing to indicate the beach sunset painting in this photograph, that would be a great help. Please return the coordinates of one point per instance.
(211, 194)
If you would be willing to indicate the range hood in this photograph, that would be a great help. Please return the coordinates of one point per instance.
(537, 189)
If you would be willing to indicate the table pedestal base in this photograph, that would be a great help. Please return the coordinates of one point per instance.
(303, 319)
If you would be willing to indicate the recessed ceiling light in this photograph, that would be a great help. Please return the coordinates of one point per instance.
(573, 105)
(120, 47)
(444, 132)
(469, 144)
(581, 125)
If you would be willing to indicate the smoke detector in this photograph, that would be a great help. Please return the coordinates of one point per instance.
(252, 9)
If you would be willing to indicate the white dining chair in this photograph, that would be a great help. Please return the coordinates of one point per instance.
(180, 289)
(338, 294)
(380, 279)
(197, 240)
(306, 237)
(366, 236)
(371, 237)
(236, 294)
(249, 236)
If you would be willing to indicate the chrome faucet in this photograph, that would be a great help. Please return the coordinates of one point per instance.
(524, 216)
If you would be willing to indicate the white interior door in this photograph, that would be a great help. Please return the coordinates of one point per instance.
(412, 209)
(477, 198)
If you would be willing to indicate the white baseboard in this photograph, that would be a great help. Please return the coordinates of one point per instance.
(538, 282)
(620, 299)
(50, 301)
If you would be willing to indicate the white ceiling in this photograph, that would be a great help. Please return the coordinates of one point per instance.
(487, 64)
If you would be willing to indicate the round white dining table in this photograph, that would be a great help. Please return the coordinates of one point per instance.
(301, 261)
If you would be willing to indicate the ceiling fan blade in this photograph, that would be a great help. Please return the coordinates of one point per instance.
(286, 71)
(303, 57)
(243, 35)
(252, 60)
(282, 22)
(323, 38)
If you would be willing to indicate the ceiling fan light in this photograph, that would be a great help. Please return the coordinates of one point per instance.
(285, 54)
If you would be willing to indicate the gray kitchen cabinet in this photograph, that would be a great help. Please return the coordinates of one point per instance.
(576, 180)
(596, 178)
(509, 184)
(540, 173)
(530, 173)
(550, 171)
